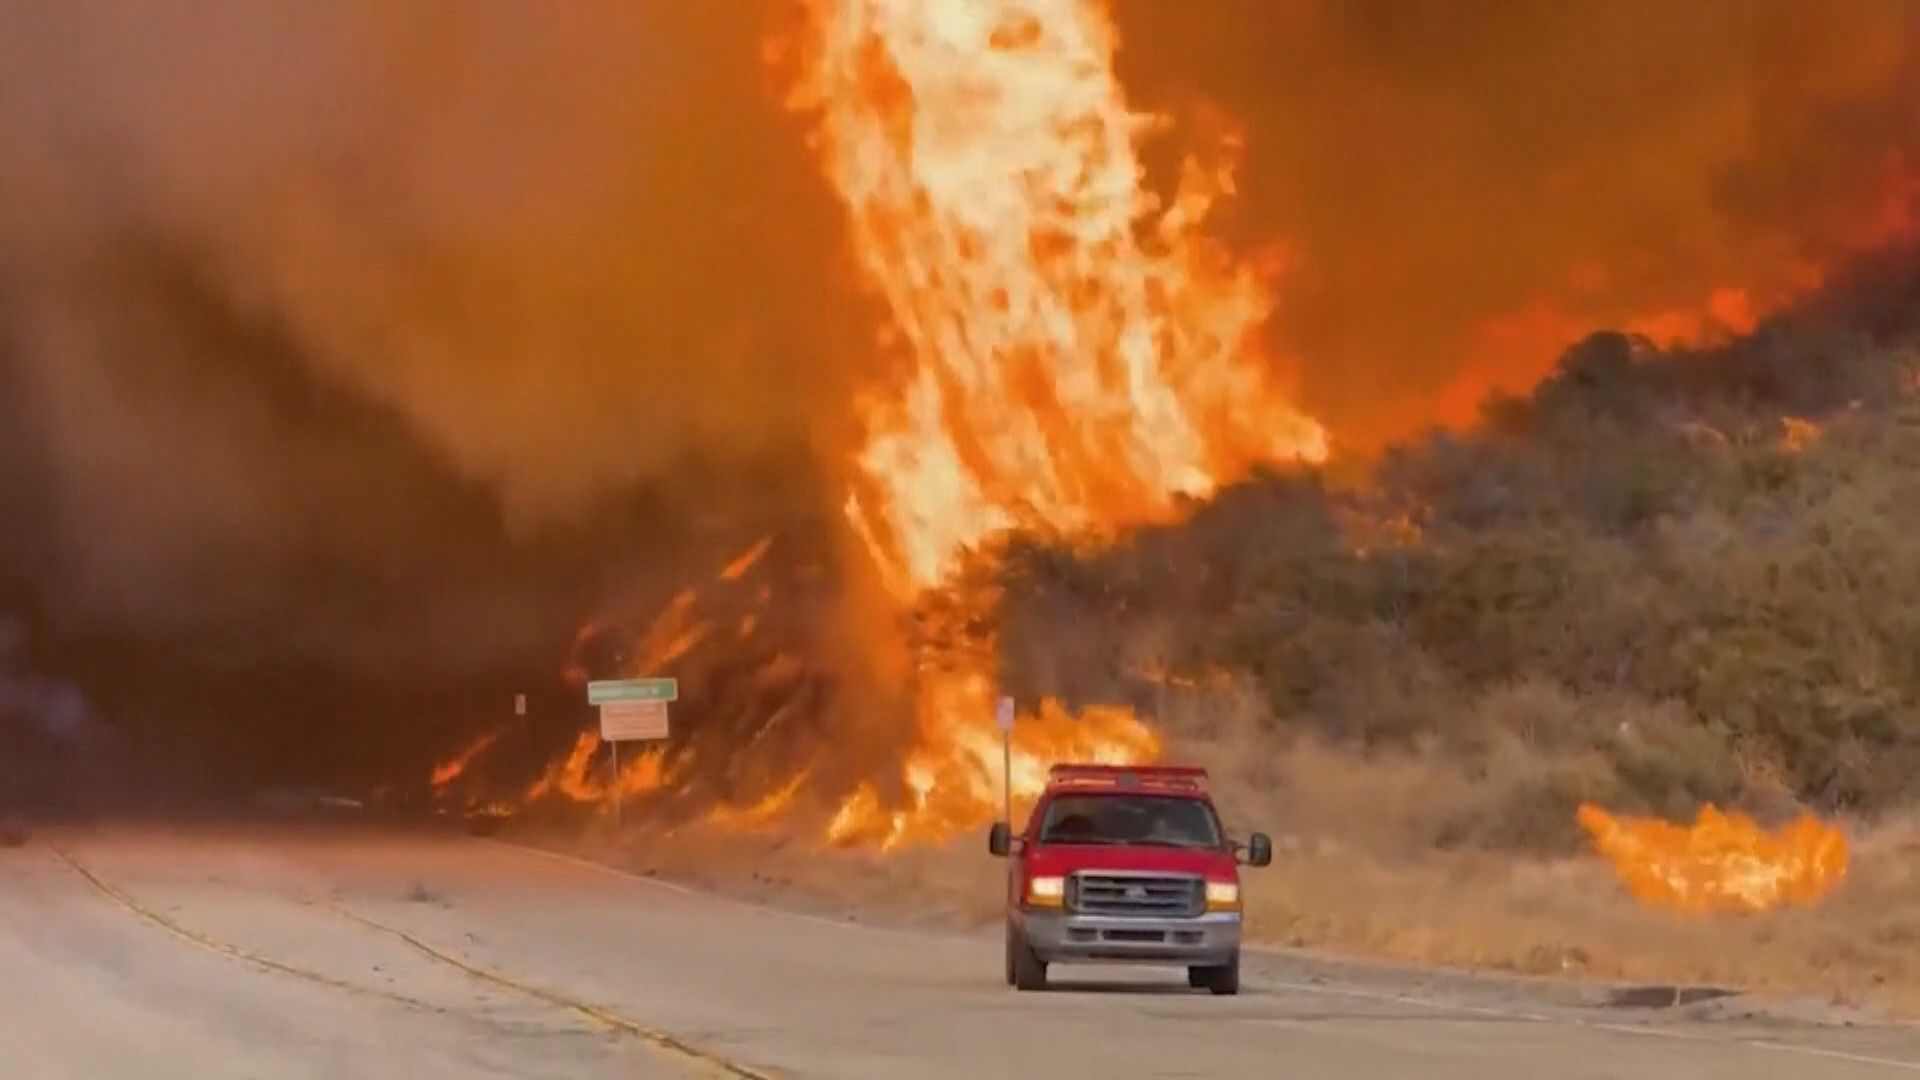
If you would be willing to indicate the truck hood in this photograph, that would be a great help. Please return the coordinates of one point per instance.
(1139, 858)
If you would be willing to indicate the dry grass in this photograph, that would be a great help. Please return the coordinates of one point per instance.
(1481, 911)
(1364, 866)
(1467, 910)
(1399, 855)
(1593, 605)
(1345, 880)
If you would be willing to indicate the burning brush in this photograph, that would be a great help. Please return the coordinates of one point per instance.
(1724, 863)
(1078, 356)
(1071, 354)
(745, 732)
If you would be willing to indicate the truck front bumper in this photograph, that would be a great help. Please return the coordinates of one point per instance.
(1066, 938)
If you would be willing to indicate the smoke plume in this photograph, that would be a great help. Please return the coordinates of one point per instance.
(1460, 191)
(345, 338)
(390, 340)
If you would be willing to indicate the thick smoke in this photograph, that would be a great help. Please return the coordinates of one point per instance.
(45, 727)
(1462, 189)
(242, 245)
(352, 352)
(560, 249)
(33, 706)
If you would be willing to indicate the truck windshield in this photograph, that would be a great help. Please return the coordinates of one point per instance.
(1130, 819)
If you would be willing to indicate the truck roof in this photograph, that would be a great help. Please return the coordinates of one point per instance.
(1155, 779)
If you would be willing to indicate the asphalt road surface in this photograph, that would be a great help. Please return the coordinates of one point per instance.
(337, 955)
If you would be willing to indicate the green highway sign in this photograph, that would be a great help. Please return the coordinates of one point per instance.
(609, 691)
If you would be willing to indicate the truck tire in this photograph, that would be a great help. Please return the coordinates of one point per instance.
(1010, 945)
(1223, 980)
(1026, 971)
(1198, 977)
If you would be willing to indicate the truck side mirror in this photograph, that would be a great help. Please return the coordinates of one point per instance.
(1000, 839)
(1259, 849)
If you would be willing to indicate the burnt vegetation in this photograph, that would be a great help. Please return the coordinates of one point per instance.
(1662, 578)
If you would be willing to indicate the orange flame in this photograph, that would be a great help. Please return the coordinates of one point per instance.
(451, 769)
(768, 808)
(1080, 357)
(737, 569)
(1725, 862)
(953, 778)
(1509, 352)
(1796, 434)
(1076, 356)
(581, 777)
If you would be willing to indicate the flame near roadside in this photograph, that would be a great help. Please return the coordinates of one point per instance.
(1076, 356)
(1069, 356)
(944, 785)
(1724, 863)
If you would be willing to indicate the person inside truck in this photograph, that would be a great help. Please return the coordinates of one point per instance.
(1072, 828)
(1124, 820)
(1129, 820)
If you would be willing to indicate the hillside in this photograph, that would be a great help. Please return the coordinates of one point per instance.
(1662, 578)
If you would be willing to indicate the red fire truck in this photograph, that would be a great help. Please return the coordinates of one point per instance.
(1125, 864)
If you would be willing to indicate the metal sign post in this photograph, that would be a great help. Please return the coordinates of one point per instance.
(613, 785)
(633, 709)
(1003, 719)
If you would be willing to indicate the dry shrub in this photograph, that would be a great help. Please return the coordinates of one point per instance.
(1463, 850)
(1506, 772)
(1569, 916)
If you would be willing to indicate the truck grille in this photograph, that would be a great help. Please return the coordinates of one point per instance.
(1134, 894)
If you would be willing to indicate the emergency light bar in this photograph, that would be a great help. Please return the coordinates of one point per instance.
(1180, 777)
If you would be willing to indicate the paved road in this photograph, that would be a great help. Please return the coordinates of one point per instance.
(338, 956)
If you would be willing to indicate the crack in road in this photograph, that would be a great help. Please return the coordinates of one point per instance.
(193, 937)
(707, 1062)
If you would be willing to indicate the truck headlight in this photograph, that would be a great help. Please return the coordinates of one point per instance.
(1046, 891)
(1223, 896)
